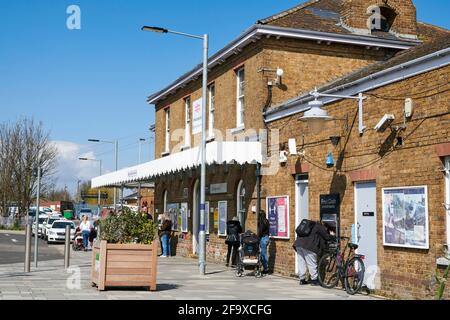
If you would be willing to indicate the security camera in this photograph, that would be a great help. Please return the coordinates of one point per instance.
(384, 122)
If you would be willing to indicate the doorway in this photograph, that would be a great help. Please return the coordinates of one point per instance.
(195, 216)
(301, 205)
(366, 228)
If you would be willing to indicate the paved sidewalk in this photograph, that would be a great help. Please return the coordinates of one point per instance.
(178, 279)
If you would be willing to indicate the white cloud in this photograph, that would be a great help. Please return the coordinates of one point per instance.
(70, 169)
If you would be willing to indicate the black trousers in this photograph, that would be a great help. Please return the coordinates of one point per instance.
(235, 247)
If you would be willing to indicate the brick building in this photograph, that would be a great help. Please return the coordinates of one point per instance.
(346, 47)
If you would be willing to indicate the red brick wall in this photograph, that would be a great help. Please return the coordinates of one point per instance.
(405, 273)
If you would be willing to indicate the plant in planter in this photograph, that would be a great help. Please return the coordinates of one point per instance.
(127, 252)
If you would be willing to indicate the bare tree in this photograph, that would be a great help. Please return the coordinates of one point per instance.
(25, 145)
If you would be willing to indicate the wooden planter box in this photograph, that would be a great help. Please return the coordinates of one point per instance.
(124, 265)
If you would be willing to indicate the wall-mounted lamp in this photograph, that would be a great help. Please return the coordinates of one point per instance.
(279, 73)
(317, 113)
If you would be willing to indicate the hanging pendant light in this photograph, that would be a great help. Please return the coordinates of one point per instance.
(316, 112)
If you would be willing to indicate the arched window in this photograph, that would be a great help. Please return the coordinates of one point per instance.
(240, 197)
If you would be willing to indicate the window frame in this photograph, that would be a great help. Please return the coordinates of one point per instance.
(167, 131)
(240, 97)
(240, 202)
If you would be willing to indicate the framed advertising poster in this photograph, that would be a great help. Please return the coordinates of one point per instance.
(184, 217)
(278, 216)
(222, 218)
(405, 217)
(173, 211)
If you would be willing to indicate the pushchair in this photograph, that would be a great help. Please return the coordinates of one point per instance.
(77, 244)
(249, 254)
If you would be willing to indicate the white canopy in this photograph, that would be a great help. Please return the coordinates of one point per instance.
(216, 152)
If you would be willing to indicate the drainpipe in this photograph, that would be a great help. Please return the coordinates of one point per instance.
(258, 165)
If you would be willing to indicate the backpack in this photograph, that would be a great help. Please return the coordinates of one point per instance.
(304, 228)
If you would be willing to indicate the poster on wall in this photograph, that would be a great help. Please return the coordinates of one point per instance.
(197, 116)
(173, 211)
(222, 218)
(405, 217)
(184, 217)
(216, 218)
(278, 216)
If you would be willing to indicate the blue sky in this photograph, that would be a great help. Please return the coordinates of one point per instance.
(93, 82)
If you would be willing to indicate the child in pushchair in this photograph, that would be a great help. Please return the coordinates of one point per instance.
(249, 254)
(77, 244)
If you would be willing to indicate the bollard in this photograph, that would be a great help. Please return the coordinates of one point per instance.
(28, 247)
(67, 248)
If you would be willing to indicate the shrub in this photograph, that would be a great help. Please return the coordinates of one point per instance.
(128, 227)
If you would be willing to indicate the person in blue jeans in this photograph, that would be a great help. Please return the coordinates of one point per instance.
(85, 228)
(166, 230)
(263, 234)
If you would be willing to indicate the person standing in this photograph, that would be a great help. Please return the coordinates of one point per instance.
(234, 229)
(85, 227)
(311, 237)
(166, 230)
(263, 234)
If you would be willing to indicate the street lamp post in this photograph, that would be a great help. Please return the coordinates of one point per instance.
(116, 159)
(36, 217)
(202, 234)
(99, 192)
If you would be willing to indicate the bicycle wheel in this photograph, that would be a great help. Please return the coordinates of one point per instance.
(328, 274)
(354, 275)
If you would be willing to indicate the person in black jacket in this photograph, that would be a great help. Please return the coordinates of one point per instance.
(308, 248)
(234, 229)
(263, 234)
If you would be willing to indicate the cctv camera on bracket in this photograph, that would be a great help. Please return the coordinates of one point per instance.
(384, 123)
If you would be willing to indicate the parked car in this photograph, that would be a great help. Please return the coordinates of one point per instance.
(48, 224)
(42, 218)
(57, 231)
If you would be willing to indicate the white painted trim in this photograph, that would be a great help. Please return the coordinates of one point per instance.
(382, 78)
(297, 213)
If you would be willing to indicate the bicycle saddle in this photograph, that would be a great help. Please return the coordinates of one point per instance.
(353, 246)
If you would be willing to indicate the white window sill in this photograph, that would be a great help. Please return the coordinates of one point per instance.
(185, 148)
(165, 154)
(237, 130)
(210, 139)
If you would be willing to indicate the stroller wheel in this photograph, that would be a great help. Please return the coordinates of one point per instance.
(239, 272)
(258, 273)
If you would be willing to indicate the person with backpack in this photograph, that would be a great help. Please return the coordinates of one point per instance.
(311, 237)
(234, 229)
(263, 234)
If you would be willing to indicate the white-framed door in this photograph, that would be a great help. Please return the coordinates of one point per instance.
(301, 205)
(195, 215)
(366, 228)
(447, 196)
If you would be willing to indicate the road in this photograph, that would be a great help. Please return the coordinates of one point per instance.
(12, 249)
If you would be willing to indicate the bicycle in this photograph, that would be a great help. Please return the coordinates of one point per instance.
(334, 267)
